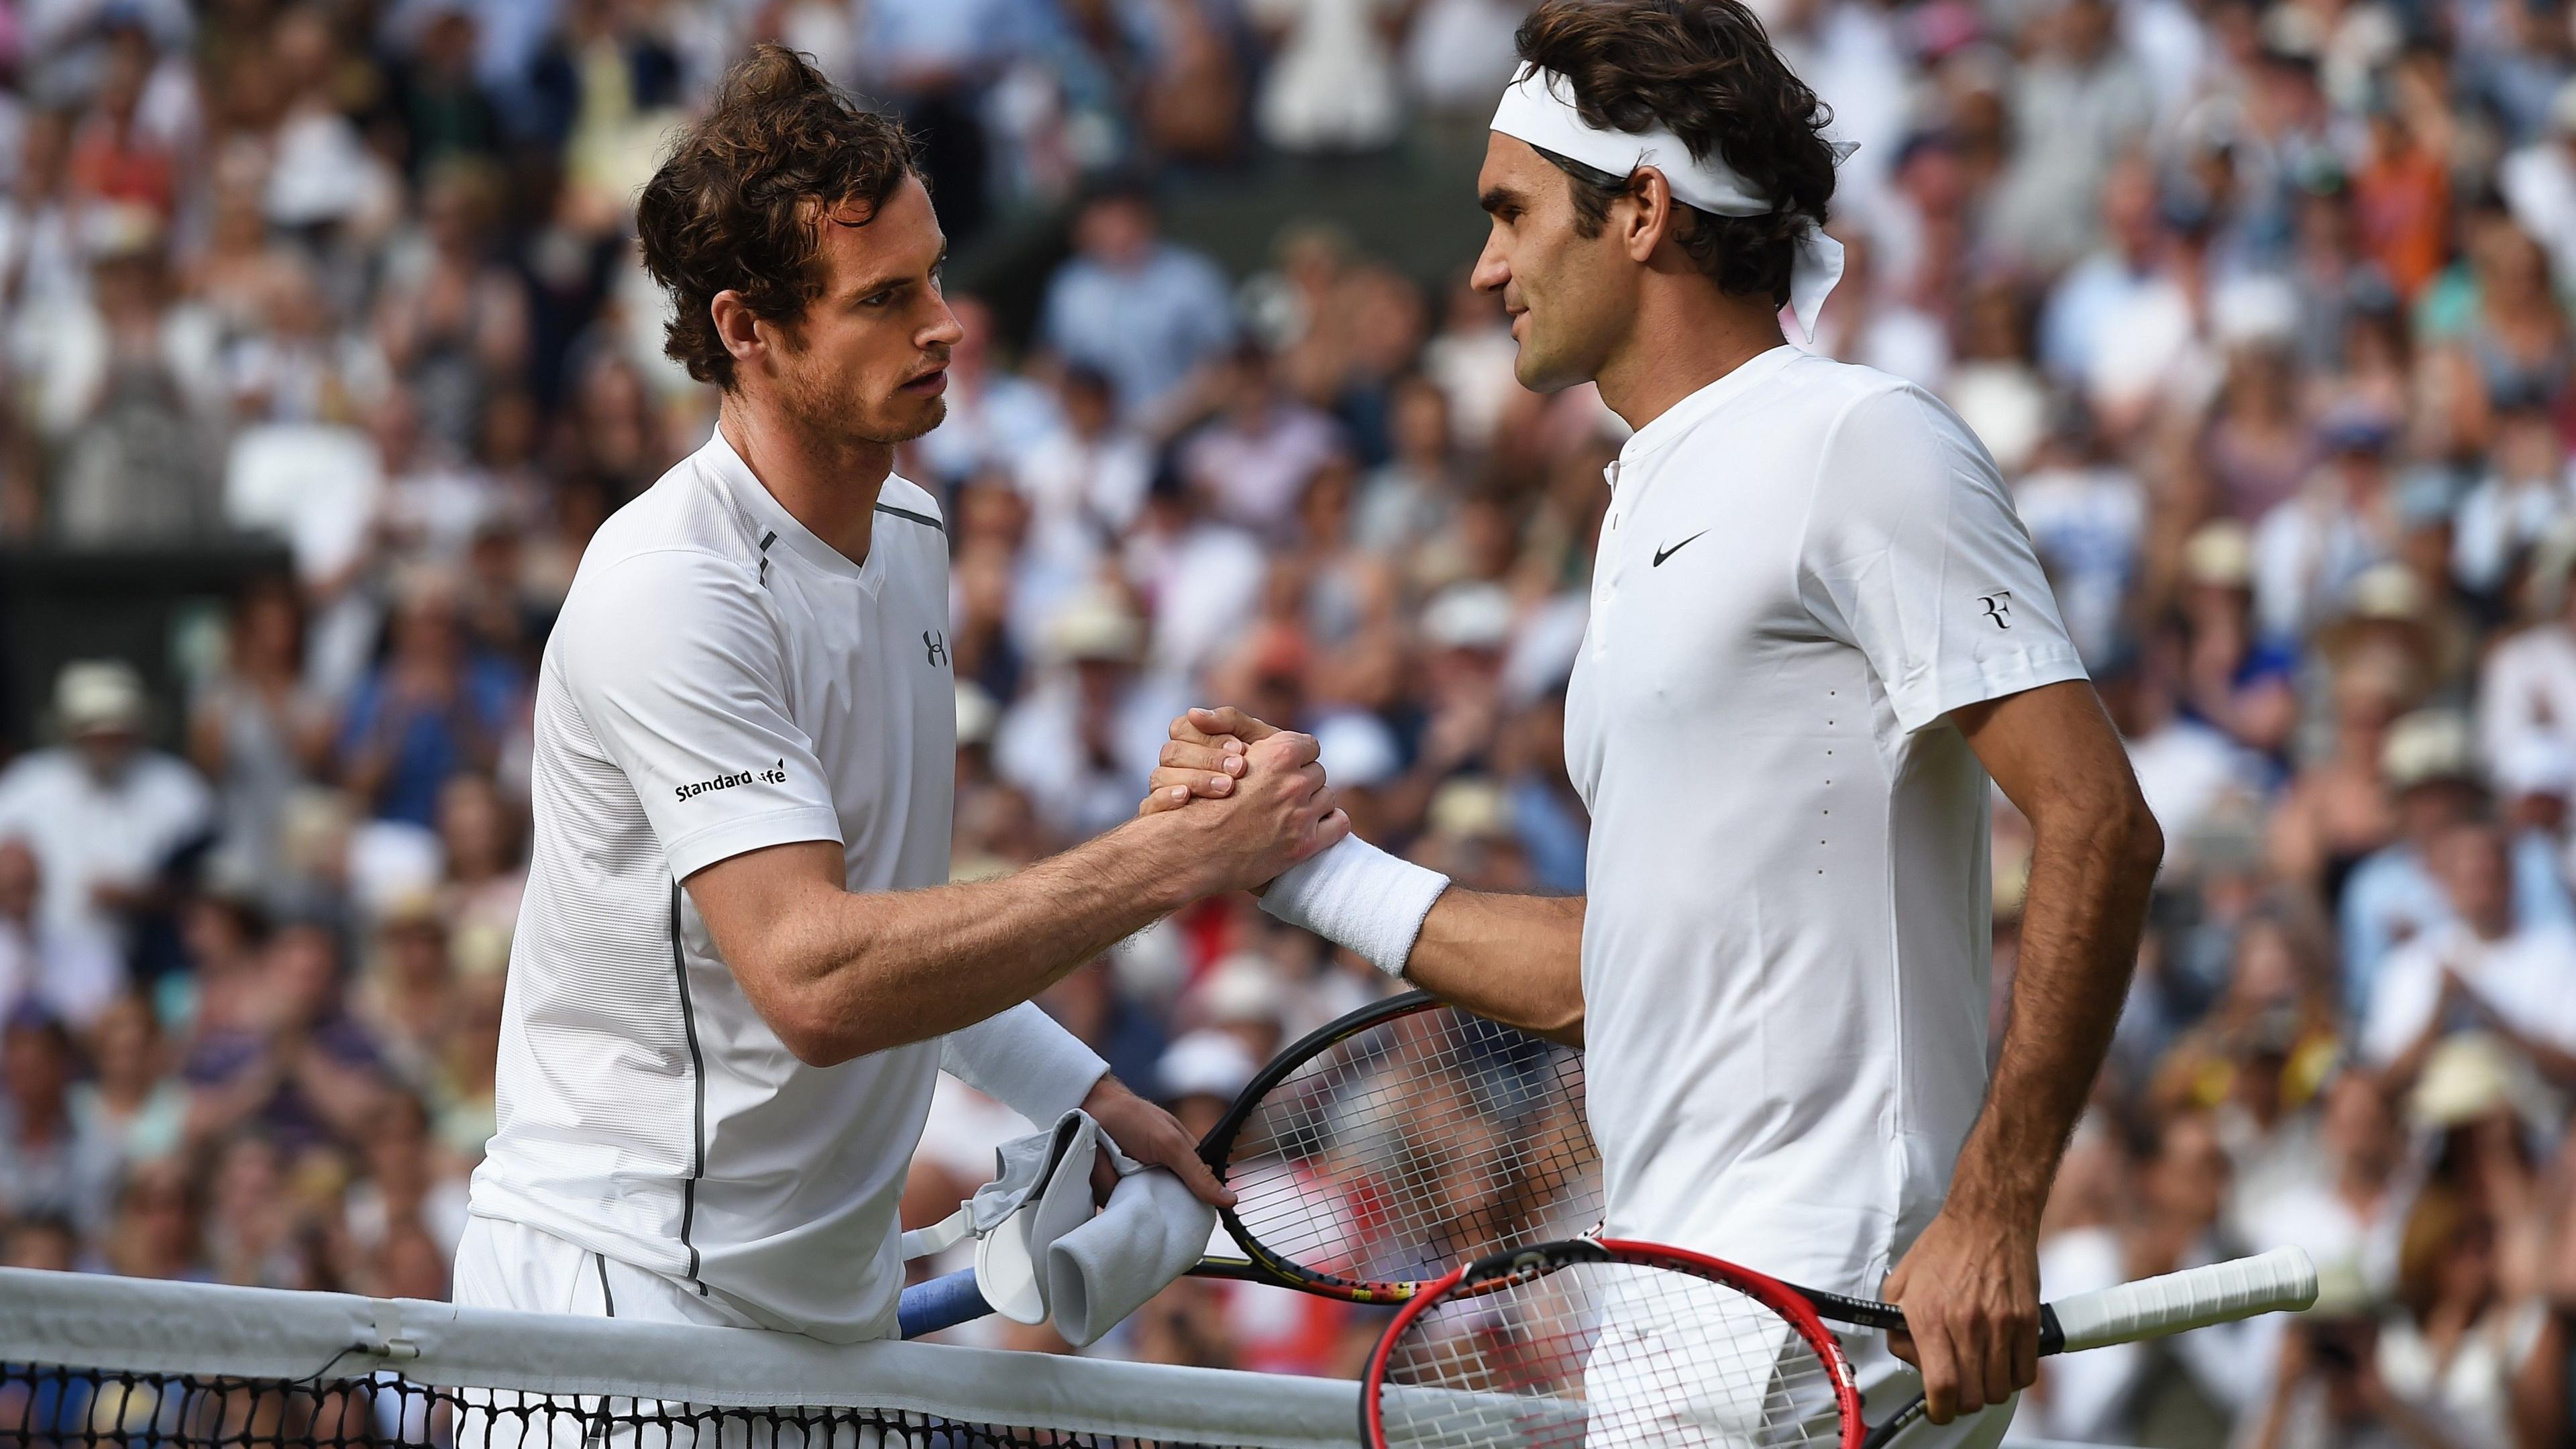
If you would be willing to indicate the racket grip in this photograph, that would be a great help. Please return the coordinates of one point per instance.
(941, 1303)
(2192, 1298)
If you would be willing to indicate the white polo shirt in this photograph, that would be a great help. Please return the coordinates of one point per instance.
(1806, 565)
(722, 680)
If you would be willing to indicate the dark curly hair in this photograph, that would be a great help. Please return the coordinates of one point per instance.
(741, 203)
(1704, 70)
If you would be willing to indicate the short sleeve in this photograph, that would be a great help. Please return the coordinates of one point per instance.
(1913, 554)
(676, 668)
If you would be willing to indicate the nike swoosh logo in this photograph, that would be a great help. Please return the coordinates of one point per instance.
(1662, 554)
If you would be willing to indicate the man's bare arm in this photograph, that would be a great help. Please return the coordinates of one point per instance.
(1509, 958)
(1970, 1284)
(839, 974)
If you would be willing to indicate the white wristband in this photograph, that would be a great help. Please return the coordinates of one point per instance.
(1358, 896)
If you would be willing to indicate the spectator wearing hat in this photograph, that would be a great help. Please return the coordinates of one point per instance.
(1092, 726)
(2234, 679)
(2525, 494)
(2467, 1348)
(2395, 895)
(2480, 966)
(2310, 549)
(104, 814)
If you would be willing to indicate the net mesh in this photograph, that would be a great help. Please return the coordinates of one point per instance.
(90, 1361)
(53, 1407)
(1599, 1354)
(1417, 1144)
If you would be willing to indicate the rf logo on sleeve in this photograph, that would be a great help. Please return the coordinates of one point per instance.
(936, 645)
(1998, 607)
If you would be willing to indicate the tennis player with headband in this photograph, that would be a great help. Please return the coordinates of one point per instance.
(1817, 631)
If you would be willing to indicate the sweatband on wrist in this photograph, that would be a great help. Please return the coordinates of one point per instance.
(1358, 896)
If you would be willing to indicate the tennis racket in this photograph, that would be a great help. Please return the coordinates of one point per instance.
(1378, 1150)
(1598, 1343)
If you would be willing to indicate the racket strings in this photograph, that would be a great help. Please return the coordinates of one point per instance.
(1426, 1139)
(1607, 1354)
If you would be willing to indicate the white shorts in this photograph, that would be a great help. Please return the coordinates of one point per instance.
(511, 1265)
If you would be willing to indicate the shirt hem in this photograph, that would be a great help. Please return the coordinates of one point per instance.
(1998, 679)
(726, 839)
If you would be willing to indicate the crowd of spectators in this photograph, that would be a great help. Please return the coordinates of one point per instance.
(2263, 308)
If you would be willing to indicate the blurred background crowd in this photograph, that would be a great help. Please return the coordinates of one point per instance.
(2262, 308)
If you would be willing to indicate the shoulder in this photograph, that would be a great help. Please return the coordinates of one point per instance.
(34, 773)
(683, 533)
(1878, 437)
(1863, 405)
(169, 774)
(1181, 263)
(905, 501)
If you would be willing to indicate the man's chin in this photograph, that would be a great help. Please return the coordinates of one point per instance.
(930, 416)
(1541, 374)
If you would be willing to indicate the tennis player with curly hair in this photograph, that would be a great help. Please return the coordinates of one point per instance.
(740, 967)
(1818, 637)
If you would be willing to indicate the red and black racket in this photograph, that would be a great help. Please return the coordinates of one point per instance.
(1588, 1345)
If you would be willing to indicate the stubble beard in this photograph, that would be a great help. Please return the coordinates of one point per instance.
(832, 424)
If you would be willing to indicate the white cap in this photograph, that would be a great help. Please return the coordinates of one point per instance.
(2255, 311)
(1097, 625)
(2534, 763)
(1357, 748)
(1244, 987)
(1469, 616)
(1205, 1064)
(2427, 746)
(2467, 1077)
(99, 696)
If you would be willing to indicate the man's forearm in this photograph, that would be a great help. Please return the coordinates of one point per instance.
(2089, 884)
(854, 973)
(1514, 959)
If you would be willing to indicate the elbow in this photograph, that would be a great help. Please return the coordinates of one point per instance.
(814, 1029)
(1561, 1016)
(2142, 840)
(808, 1036)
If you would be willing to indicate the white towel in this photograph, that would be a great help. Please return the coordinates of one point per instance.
(1151, 1232)
(1038, 1210)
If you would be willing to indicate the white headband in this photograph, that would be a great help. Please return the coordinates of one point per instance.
(1539, 108)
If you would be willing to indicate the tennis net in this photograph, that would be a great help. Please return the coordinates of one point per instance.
(95, 1361)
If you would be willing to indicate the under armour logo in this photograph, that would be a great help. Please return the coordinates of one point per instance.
(1998, 607)
(936, 645)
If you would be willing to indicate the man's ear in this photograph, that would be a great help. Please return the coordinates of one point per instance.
(737, 326)
(1651, 214)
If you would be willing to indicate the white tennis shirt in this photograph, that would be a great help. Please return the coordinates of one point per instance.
(1806, 565)
(722, 680)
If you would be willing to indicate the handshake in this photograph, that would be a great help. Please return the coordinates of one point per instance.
(1235, 802)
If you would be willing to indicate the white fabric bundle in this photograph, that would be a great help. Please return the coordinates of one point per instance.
(1539, 108)
(1040, 1250)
